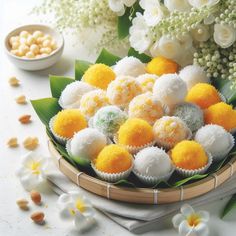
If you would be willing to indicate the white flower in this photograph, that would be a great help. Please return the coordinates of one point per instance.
(153, 12)
(191, 223)
(224, 35)
(139, 38)
(201, 33)
(185, 41)
(32, 170)
(177, 5)
(74, 206)
(201, 3)
(118, 6)
(169, 47)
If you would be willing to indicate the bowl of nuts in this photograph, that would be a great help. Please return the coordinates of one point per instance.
(34, 47)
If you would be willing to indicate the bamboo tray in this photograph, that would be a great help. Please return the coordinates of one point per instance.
(142, 195)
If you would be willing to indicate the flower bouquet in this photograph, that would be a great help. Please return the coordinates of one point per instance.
(142, 130)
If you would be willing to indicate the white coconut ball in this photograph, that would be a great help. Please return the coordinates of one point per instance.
(215, 139)
(86, 144)
(129, 66)
(71, 95)
(152, 161)
(193, 74)
(170, 90)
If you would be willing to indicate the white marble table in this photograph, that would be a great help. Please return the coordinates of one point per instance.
(14, 222)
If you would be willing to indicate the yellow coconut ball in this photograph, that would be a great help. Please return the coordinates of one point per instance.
(204, 95)
(221, 114)
(135, 132)
(161, 65)
(189, 155)
(93, 101)
(145, 107)
(122, 90)
(113, 159)
(68, 122)
(99, 75)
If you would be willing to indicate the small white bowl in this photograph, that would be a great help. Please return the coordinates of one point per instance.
(35, 63)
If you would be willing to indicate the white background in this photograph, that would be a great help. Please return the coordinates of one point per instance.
(14, 222)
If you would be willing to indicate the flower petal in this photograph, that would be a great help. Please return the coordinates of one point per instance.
(187, 210)
(201, 229)
(177, 219)
(89, 211)
(185, 228)
(204, 215)
(63, 200)
(82, 223)
(117, 6)
(129, 3)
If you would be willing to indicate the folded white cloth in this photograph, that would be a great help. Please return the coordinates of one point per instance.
(137, 217)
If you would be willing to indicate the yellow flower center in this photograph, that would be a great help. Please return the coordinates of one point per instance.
(80, 205)
(193, 220)
(35, 167)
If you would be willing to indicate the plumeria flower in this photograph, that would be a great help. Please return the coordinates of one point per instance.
(224, 35)
(153, 11)
(74, 206)
(177, 5)
(118, 6)
(32, 170)
(140, 38)
(191, 223)
(201, 33)
(202, 3)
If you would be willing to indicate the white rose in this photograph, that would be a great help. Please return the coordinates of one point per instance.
(168, 47)
(179, 5)
(201, 33)
(153, 11)
(224, 35)
(186, 41)
(201, 3)
(139, 38)
(118, 6)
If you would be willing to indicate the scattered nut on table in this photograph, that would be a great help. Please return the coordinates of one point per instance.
(25, 119)
(31, 143)
(23, 204)
(35, 197)
(12, 142)
(13, 81)
(38, 217)
(21, 99)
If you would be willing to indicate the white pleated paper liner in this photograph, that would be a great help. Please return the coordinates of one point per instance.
(168, 146)
(152, 180)
(112, 177)
(132, 149)
(59, 138)
(199, 171)
(221, 155)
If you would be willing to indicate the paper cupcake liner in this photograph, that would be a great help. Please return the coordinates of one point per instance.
(202, 170)
(59, 138)
(112, 177)
(133, 149)
(171, 145)
(220, 155)
(152, 180)
(222, 97)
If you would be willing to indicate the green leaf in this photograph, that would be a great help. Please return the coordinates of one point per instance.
(224, 86)
(107, 58)
(124, 183)
(186, 180)
(46, 108)
(125, 21)
(80, 67)
(58, 83)
(142, 57)
(229, 206)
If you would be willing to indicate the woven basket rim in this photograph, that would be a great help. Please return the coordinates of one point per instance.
(142, 195)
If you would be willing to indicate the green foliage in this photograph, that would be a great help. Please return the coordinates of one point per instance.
(142, 57)
(80, 67)
(107, 58)
(229, 206)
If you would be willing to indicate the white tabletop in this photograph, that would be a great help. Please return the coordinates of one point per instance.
(36, 85)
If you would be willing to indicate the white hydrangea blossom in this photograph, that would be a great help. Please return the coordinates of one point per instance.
(177, 5)
(118, 6)
(202, 3)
